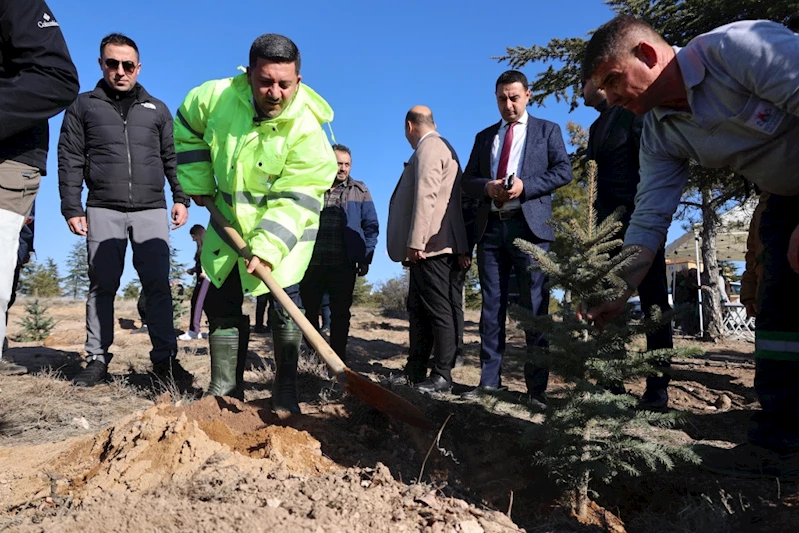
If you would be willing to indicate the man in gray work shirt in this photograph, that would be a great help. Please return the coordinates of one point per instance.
(729, 98)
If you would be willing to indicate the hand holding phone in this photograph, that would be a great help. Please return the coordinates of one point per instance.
(509, 181)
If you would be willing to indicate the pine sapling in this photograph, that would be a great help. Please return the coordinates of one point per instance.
(36, 325)
(592, 433)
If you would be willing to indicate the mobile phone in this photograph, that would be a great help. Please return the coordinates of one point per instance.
(509, 181)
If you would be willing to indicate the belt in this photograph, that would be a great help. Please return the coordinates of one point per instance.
(505, 214)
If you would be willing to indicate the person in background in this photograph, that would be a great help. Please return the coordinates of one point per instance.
(344, 248)
(531, 151)
(117, 139)
(197, 233)
(614, 143)
(426, 231)
(753, 273)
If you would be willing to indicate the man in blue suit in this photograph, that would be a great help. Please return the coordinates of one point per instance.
(514, 167)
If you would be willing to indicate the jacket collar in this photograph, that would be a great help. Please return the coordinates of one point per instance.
(139, 91)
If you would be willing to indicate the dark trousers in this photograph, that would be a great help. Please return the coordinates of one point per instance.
(109, 232)
(497, 255)
(141, 307)
(776, 425)
(460, 279)
(434, 302)
(338, 282)
(226, 301)
(324, 310)
(261, 303)
(654, 292)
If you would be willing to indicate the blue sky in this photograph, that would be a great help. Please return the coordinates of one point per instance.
(371, 61)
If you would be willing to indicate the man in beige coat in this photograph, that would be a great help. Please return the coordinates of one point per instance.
(427, 233)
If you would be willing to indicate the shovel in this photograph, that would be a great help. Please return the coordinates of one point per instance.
(354, 383)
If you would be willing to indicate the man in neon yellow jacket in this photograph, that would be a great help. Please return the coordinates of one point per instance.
(255, 143)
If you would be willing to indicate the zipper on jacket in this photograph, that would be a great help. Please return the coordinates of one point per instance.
(130, 170)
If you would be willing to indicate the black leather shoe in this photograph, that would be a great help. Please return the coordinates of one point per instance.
(654, 400)
(94, 373)
(482, 390)
(535, 401)
(436, 383)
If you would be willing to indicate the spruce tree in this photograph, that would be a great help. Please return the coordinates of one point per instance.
(36, 325)
(362, 292)
(593, 434)
(131, 290)
(179, 294)
(76, 282)
(40, 280)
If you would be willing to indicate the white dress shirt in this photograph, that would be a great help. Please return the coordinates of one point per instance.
(515, 159)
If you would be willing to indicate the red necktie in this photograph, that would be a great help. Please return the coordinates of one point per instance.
(504, 156)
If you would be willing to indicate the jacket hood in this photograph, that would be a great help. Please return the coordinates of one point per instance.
(304, 98)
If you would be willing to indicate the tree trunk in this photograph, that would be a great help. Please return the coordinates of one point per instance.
(711, 298)
(581, 491)
(567, 302)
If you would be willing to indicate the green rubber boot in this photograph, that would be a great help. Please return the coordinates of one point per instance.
(241, 356)
(223, 344)
(286, 337)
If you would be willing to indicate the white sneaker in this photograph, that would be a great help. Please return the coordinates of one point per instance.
(189, 336)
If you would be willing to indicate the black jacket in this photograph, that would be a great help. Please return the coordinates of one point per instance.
(613, 143)
(37, 79)
(122, 161)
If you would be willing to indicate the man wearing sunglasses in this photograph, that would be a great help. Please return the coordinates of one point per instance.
(118, 139)
(37, 81)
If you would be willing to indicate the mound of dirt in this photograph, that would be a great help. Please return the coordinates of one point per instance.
(215, 465)
(152, 448)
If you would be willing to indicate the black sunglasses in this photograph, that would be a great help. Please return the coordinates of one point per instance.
(127, 66)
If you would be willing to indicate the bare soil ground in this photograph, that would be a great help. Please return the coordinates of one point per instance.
(138, 456)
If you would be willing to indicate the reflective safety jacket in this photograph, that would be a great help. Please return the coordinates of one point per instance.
(267, 177)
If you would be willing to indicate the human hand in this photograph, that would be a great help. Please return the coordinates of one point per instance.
(516, 189)
(495, 190)
(179, 215)
(606, 311)
(363, 269)
(415, 255)
(465, 261)
(253, 263)
(78, 226)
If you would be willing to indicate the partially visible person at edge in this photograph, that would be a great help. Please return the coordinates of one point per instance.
(117, 138)
(37, 81)
(532, 151)
(344, 248)
(613, 142)
(267, 170)
(23, 258)
(426, 232)
(753, 272)
(197, 233)
(728, 98)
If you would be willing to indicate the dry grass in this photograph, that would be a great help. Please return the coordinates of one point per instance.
(46, 407)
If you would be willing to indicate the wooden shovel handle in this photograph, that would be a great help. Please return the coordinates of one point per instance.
(264, 273)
